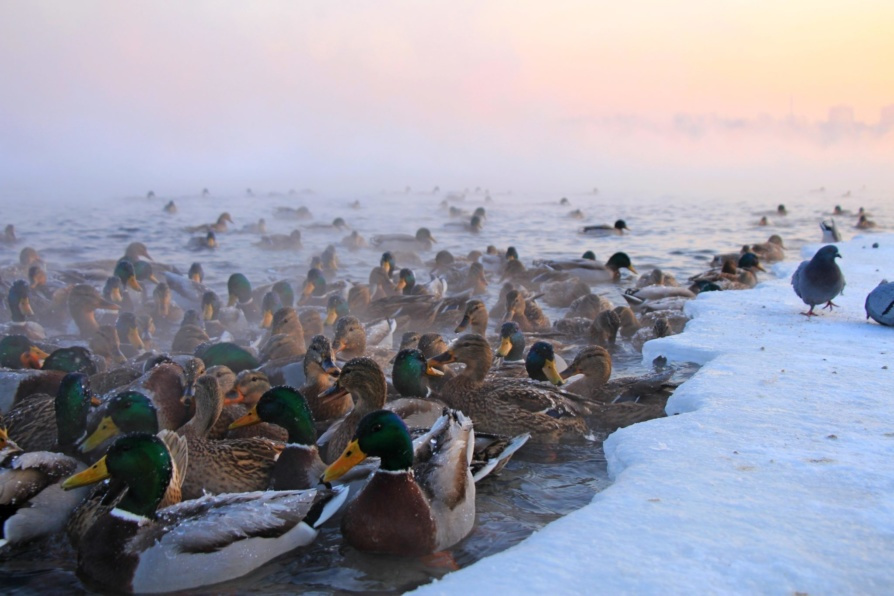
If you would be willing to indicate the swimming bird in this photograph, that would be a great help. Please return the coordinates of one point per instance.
(135, 548)
(604, 229)
(219, 226)
(819, 279)
(412, 505)
(588, 270)
(421, 241)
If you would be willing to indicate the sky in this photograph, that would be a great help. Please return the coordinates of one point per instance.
(118, 98)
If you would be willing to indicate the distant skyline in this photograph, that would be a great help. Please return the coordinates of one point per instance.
(116, 98)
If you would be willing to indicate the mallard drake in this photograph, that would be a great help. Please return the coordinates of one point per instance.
(503, 405)
(234, 465)
(408, 286)
(239, 294)
(364, 380)
(128, 329)
(408, 375)
(525, 312)
(125, 272)
(299, 465)
(82, 302)
(421, 241)
(512, 342)
(127, 412)
(19, 300)
(72, 359)
(217, 227)
(605, 229)
(17, 351)
(135, 548)
(589, 271)
(206, 242)
(164, 312)
(429, 506)
(314, 285)
(229, 354)
(44, 423)
(32, 502)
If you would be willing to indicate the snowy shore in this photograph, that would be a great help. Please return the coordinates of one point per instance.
(776, 477)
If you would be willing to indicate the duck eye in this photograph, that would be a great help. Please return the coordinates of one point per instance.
(377, 428)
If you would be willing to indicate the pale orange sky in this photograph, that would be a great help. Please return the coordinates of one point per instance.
(382, 92)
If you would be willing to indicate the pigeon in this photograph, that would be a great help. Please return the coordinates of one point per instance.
(880, 303)
(819, 279)
(830, 232)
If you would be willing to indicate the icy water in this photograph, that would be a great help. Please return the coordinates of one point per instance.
(676, 233)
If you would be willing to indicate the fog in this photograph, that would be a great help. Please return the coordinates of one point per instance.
(114, 99)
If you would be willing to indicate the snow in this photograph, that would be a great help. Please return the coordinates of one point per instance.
(775, 477)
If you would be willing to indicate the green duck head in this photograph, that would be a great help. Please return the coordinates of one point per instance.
(424, 235)
(408, 374)
(314, 284)
(336, 307)
(211, 305)
(72, 359)
(621, 225)
(238, 289)
(407, 280)
(127, 412)
(541, 363)
(228, 354)
(143, 271)
(17, 351)
(511, 254)
(111, 291)
(286, 294)
(196, 273)
(19, 300)
(285, 407)
(512, 342)
(589, 255)
(750, 260)
(124, 271)
(139, 460)
(73, 400)
(620, 260)
(387, 262)
(269, 305)
(129, 330)
(380, 434)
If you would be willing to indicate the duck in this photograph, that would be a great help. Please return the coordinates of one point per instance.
(589, 271)
(407, 285)
(206, 242)
(301, 212)
(126, 327)
(337, 224)
(475, 318)
(281, 242)
(352, 339)
(314, 285)
(72, 359)
(361, 378)
(562, 293)
(320, 373)
(233, 465)
(9, 235)
(83, 300)
(241, 393)
(239, 294)
(605, 229)
(770, 251)
(427, 501)
(512, 342)
(298, 466)
(137, 548)
(504, 405)
(410, 372)
(864, 223)
(190, 335)
(422, 241)
(19, 301)
(217, 227)
(18, 351)
(126, 412)
(525, 312)
(32, 501)
(286, 339)
(166, 385)
(45, 423)
(228, 354)
(165, 313)
(354, 241)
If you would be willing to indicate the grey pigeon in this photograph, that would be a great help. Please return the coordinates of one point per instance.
(880, 303)
(819, 279)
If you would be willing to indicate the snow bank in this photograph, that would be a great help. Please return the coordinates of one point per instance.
(776, 477)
